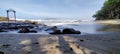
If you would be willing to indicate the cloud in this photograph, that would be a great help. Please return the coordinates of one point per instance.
(53, 8)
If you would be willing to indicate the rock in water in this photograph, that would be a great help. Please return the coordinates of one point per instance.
(70, 31)
(2, 30)
(24, 30)
(56, 32)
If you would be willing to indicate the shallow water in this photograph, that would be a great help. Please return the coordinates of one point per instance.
(90, 27)
(86, 27)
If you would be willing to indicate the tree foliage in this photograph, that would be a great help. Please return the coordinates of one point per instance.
(110, 10)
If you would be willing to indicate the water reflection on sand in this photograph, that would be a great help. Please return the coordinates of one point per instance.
(93, 27)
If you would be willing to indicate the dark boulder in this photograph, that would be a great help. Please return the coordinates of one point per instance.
(24, 30)
(70, 31)
(56, 32)
(2, 30)
(52, 28)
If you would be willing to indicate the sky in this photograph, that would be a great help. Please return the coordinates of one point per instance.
(43, 9)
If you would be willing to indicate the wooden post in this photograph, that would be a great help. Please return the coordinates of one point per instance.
(15, 16)
(8, 16)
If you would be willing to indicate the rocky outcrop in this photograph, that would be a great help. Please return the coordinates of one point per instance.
(26, 30)
(66, 31)
(2, 30)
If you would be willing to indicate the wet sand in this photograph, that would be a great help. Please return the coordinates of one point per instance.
(60, 44)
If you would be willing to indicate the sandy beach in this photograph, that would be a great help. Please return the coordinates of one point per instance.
(60, 44)
(115, 21)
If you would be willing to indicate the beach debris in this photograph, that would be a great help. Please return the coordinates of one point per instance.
(1, 52)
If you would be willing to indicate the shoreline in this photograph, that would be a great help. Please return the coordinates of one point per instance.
(115, 21)
(60, 44)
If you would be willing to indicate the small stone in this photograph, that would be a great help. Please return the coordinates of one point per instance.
(28, 52)
(71, 49)
(81, 40)
(36, 43)
(57, 46)
(77, 46)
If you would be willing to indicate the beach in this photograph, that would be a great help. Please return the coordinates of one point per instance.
(95, 38)
(60, 44)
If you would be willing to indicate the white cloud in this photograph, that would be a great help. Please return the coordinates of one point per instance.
(53, 8)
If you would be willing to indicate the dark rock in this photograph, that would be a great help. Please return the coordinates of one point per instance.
(77, 46)
(2, 30)
(71, 49)
(25, 26)
(70, 31)
(32, 31)
(56, 32)
(97, 53)
(28, 52)
(57, 46)
(2, 52)
(81, 40)
(35, 43)
(13, 27)
(5, 45)
(77, 32)
(24, 30)
(52, 28)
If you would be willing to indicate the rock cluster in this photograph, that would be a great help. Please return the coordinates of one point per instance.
(26, 30)
(23, 27)
(65, 31)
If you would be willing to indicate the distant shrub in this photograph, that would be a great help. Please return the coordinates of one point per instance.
(3, 18)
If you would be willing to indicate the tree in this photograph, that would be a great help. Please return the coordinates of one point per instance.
(110, 10)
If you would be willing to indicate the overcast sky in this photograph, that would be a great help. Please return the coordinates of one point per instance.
(35, 9)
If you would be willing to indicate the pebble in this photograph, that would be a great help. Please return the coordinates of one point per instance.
(36, 43)
(81, 40)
